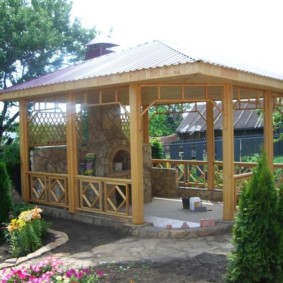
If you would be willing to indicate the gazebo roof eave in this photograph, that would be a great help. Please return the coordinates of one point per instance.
(158, 75)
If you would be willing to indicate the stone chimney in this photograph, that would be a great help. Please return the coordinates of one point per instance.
(98, 47)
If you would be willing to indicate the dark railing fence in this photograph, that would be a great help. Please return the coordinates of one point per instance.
(243, 146)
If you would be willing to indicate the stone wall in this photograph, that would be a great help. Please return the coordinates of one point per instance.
(213, 195)
(49, 160)
(164, 182)
(147, 166)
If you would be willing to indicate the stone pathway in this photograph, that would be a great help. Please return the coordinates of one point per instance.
(93, 245)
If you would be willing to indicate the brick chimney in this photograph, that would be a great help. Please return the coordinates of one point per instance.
(96, 48)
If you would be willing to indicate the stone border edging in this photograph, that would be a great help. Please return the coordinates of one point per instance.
(60, 239)
(222, 227)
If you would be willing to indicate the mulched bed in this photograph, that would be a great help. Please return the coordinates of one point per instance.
(201, 268)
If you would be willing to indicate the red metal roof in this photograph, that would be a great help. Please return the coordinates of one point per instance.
(145, 56)
(149, 55)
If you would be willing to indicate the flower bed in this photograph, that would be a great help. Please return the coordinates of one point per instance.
(25, 233)
(50, 270)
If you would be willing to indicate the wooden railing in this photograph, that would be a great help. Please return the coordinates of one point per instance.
(104, 195)
(95, 194)
(49, 188)
(193, 173)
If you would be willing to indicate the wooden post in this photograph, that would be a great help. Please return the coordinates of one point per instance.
(145, 120)
(268, 128)
(72, 152)
(210, 146)
(228, 153)
(136, 137)
(24, 151)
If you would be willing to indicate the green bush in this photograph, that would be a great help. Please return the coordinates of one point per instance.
(157, 149)
(256, 232)
(280, 216)
(10, 154)
(5, 198)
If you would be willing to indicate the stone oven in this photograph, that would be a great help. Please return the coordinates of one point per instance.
(106, 139)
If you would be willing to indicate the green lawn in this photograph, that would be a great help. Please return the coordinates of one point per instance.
(278, 159)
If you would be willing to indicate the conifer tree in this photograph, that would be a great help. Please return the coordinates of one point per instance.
(256, 233)
(5, 197)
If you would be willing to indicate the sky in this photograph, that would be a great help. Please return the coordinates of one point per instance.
(245, 32)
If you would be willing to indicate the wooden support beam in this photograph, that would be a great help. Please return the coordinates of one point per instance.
(268, 128)
(145, 120)
(210, 146)
(24, 151)
(136, 138)
(72, 152)
(228, 154)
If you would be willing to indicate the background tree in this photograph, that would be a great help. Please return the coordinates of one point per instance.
(164, 120)
(36, 37)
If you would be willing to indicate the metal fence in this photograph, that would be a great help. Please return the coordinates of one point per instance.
(243, 146)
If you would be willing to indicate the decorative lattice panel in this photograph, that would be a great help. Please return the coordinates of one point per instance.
(49, 189)
(79, 127)
(116, 198)
(90, 195)
(47, 128)
(58, 190)
(125, 124)
(38, 188)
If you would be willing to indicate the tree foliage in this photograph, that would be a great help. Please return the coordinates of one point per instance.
(256, 233)
(164, 120)
(36, 37)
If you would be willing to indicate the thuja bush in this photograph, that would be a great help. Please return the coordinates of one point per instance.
(10, 155)
(280, 217)
(5, 198)
(157, 149)
(26, 232)
(256, 232)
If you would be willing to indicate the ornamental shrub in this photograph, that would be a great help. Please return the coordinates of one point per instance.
(157, 149)
(256, 232)
(10, 154)
(280, 217)
(5, 198)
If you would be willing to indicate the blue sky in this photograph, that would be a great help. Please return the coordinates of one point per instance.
(244, 31)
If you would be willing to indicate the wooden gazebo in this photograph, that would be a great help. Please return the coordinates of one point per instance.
(84, 129)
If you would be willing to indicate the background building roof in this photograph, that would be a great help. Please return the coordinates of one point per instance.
(244, 119)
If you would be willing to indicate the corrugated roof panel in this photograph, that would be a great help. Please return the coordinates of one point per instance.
(244, 118)
(145, 56)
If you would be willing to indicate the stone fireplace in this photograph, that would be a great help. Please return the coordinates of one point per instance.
(107, 140)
